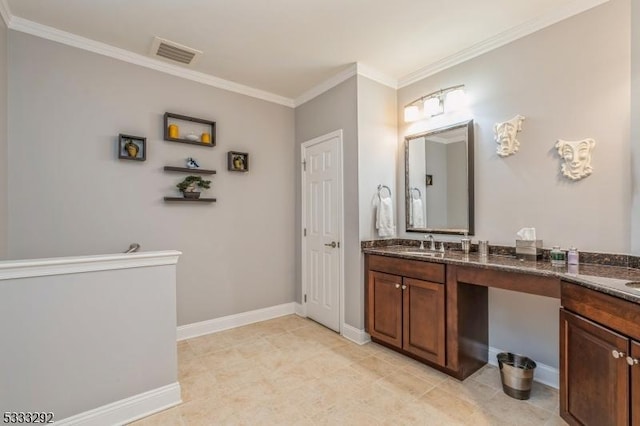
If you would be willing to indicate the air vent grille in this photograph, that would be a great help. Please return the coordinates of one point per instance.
(174, 51)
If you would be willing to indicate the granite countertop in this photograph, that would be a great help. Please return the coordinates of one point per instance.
(606, 279)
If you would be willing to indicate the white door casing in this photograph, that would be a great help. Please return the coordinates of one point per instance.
(322, 233)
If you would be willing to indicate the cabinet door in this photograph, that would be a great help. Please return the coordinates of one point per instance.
(635, 385)
(385, 308)
(424, 320)
(594, 385)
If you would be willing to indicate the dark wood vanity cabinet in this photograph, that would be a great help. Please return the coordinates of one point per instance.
(599, 353)
(406, 306)
(635, 384)
(423, 320)
(385, 304)
(595, 384)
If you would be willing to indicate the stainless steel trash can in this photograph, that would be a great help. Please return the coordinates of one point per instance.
(516, 373)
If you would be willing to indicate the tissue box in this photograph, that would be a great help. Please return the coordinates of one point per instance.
(529, 249)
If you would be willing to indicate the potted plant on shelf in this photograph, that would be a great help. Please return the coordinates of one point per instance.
(189, 185)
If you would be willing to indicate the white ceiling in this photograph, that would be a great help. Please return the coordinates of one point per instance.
(287, 47)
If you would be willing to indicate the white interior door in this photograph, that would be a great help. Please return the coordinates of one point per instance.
(322, 229)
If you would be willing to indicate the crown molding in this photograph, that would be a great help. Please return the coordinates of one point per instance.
(5, 12)
(529, 27)
(377, 76)
(326, 85)
(54, 34)
(353, 69)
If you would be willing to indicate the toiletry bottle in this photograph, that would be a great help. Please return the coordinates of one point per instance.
(465, 243)
(557, 256)
(573, 257)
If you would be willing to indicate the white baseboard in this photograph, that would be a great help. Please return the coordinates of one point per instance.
(237, 320)
(544, 374)
(355, 334)
(129, 409)
(300, 310)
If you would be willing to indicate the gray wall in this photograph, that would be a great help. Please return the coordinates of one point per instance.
(70, 194)
(436, 194)
(571, 81)
(333, 110)
(635, 126)
(86, 339)
(3, 138)
(377, 146)
(417, 167)
(457, 185)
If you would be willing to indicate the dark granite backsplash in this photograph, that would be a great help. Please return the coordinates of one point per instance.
(622, 260)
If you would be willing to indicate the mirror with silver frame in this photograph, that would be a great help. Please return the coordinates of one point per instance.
(439, 180)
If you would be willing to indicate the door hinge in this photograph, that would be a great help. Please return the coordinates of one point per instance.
(305, 298)
(304, 165)
(305, 232)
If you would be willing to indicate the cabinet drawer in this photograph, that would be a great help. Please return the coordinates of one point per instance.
(618, 314)
(427, 271)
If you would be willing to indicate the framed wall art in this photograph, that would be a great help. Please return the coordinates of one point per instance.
(132, 147)
(238, 161)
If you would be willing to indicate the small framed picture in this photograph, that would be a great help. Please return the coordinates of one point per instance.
(132, 147)
(429, 180)
(238, 161)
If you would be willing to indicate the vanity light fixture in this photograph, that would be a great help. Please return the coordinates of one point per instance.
(445, 100)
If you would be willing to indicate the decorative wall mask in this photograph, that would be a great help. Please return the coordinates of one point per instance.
(505, 134)
(576, 156)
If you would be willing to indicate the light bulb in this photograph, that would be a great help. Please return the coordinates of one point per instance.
(456, 100)
(411, 113)
(432, 106)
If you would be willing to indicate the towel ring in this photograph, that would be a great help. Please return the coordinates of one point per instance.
(381, 187)
(419, 193)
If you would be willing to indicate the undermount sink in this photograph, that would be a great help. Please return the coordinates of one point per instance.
(635, 285)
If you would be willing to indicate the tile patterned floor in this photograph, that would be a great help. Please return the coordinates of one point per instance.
(292, 371)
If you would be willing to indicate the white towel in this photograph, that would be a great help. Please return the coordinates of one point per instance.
(384, 218)
(417, 213)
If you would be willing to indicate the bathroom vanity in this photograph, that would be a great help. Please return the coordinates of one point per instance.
(434, 308)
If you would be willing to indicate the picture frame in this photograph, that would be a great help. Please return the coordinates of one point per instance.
(238, 161)
(132, 147)
(429, 180)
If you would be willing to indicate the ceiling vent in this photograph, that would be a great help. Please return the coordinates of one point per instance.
(175, 52)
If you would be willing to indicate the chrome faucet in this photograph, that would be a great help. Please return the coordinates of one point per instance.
(432, 242)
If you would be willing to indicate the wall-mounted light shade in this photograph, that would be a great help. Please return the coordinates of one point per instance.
(455, 100)
(432, 106)
(444, 101)
(411, 113)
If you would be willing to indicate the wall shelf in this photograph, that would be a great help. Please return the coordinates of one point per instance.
(188, 170)
(191, 200)
(203, 126)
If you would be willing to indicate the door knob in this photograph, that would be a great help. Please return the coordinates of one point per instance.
(616, 354)
(632, 361)
(332, 245)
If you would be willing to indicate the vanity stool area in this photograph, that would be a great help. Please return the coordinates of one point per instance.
(434, 308)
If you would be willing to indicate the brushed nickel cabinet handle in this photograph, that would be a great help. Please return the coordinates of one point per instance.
(632, 361)
(617, 354)
(397, 285)
(404, 287)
